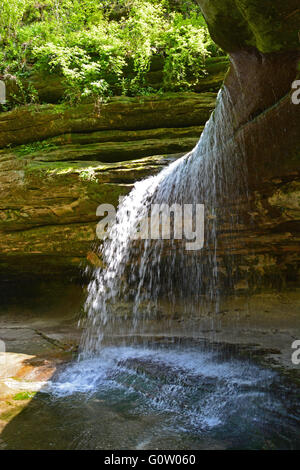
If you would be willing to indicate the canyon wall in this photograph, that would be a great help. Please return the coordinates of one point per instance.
(262, 39)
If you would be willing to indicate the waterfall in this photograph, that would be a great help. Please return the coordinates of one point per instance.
(138, 273)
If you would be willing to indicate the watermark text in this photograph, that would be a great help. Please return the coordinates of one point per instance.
(162, 222)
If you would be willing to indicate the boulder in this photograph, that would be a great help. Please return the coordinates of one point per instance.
(268, 26)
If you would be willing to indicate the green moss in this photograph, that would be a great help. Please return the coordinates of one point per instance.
(270, 26)
(88, 174)
(28, 149)
(24, 395)
(12, 413)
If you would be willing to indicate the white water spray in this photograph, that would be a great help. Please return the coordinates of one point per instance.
(143, 271)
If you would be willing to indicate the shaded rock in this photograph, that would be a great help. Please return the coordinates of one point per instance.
(215, 70)
(287, 200)
(268, 26)
(48, 209)
(114, 146)
(50, 88)
(262, 39)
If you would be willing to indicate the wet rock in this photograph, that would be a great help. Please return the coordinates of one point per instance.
(263, 43)
(48, 209)
(71, 160)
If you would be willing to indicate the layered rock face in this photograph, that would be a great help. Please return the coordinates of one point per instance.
(57, 164)
(263, 43)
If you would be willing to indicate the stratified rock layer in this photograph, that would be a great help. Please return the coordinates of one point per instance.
(57, 164)
(268, 26)
(263, 41)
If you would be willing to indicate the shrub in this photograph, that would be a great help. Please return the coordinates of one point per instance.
(98, 55)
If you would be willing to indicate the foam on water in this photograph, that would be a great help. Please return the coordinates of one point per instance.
(195, 388)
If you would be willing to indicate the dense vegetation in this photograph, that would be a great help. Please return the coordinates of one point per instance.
(102, 48)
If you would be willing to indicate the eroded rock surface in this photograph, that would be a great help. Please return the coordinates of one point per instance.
(57, 164)
(263, 42)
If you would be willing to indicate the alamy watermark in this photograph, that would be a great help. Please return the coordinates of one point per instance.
(296, 353)
(296, 93)
(163, 222)
(2, 92)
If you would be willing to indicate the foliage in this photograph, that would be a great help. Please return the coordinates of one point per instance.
(27, 149)
(24, 395)
(104, 48)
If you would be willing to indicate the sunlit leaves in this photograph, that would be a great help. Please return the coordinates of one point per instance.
(99, 55)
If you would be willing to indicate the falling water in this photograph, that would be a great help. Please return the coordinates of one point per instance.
(140, 272)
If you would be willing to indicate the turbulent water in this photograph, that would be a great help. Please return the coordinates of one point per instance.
(142, 271)
(163, 397)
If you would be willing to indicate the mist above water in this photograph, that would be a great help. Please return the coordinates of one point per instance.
(184, 392)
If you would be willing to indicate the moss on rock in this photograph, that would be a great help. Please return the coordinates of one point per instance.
(269, 25)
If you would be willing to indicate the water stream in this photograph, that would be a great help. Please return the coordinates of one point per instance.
(142, 271)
